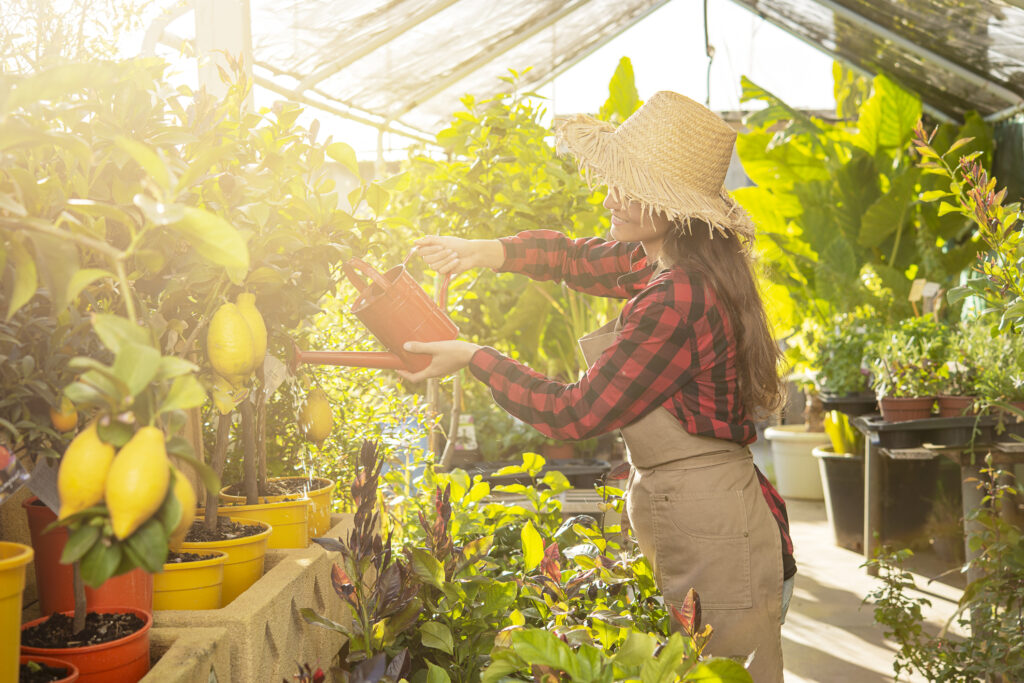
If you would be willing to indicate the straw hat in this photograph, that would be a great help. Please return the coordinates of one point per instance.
(671, 155)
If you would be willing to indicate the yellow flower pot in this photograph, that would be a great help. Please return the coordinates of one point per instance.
(319, 512)
(191, 585)
(244, 564)
(14, 557)
(288, 518)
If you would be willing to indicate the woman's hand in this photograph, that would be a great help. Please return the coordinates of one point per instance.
(449, 356)
(454, 255)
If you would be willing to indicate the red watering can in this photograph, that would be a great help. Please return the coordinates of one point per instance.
(396, 310)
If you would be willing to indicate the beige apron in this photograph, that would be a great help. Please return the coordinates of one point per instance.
(700, 517)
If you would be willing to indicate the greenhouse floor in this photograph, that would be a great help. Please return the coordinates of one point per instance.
(829, 634)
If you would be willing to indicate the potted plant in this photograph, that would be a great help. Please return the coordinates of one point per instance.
(190, 581)
(842, 378)
(36, 669)
(958, 389)
(906, 367)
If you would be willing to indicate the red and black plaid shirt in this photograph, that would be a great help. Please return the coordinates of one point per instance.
(675, 349)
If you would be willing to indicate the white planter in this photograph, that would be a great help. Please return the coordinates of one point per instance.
(796, 468)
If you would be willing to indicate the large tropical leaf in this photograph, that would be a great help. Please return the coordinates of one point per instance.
(887, 118)
(889, 213)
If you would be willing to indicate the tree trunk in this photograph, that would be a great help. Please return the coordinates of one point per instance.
(249, 451)
(220, 452)
(78, 622)
(261, 430)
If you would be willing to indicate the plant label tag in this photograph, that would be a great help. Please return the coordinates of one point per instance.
(930, 290)
(274, 373)
(465, 437)
(43, 483)
(916, 289)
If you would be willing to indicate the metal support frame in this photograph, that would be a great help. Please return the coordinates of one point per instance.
(489, 53)
(932, 111)
(414, 19)
(924, 53)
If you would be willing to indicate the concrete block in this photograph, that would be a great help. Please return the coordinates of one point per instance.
(265, 634)
(189, 655)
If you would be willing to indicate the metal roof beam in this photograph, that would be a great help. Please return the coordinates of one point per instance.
(922, 52)
(491, 52)
(937, 114)
(414, 19)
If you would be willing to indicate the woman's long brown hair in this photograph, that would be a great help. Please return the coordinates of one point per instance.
(727, 264)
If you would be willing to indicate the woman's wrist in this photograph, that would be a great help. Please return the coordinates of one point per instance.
(493, 253)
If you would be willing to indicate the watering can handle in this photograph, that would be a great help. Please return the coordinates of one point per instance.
(353, 265)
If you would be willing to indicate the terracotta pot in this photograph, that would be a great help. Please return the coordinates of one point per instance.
(955, 406)
(53, 662)
(905, 409)
(54, 581)
(125, 660)
(558, 451)
(14, 557)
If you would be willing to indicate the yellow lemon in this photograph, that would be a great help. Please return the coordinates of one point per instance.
(316, 418)
(66, 418)
(186, 496)
(229, 344)
(246, 303)
(137, 482)
(83, 472)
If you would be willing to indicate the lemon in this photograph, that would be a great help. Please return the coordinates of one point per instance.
(316, 418)
(137, 482)
(83, 472)
(186, 496)
(65, 418)
(246, 303)
(229, 344)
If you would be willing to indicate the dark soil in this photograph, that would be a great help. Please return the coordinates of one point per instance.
(282, 488)
(182, 558)
(226, 530)
(55, 632)
(37, 672)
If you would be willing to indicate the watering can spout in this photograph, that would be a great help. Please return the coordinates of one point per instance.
(355, 359)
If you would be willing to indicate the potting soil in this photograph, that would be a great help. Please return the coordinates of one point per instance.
(283, 488)
(56, 632)
(226, 530)
(37, 672)
(182, 558)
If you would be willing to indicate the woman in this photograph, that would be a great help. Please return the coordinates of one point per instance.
(681, 372)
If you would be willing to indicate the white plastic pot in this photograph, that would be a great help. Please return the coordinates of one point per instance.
(796, 468)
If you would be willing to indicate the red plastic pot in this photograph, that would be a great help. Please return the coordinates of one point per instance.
(55, 663)
(125, 660)
(955, 406)
(904, 409)
(54, 581)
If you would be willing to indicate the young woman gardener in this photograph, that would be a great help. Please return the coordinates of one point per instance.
(681, 372)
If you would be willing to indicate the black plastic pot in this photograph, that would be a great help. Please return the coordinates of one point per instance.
(842, 479)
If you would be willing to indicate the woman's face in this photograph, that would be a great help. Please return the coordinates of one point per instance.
(630, 223)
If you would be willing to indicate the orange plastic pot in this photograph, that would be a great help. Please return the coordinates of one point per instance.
(125, 660)
(244, 565)
(13, 558)
(191, 585)
(54, 581)
(53, 662)
(905, 409)
(320, 497)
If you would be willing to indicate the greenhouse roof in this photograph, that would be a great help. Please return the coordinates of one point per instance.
(405, 64)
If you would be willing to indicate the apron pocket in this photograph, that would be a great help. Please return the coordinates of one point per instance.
(703, 543)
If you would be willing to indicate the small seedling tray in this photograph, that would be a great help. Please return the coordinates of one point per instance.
(852, 405)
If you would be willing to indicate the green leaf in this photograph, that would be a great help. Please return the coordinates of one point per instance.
(149, 544)
(719, 670)
(344, 155)
(932, 195)
(533, 546)
(623, 98)
(157, 212)
(172, 366)
(100, 563)
(79, 542)
(25, 278)
(436, 674)
(427, 568)
(148, 159)
(888, 213)
(312, 617)
(437, 636)
(637, 649)
(184, 453)
(136, 366)
(82, 279)
(377, 198)
(186, 392)
(10, 204)
(214, 239)
(538, 646)
(946, 207)
(115, 331)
